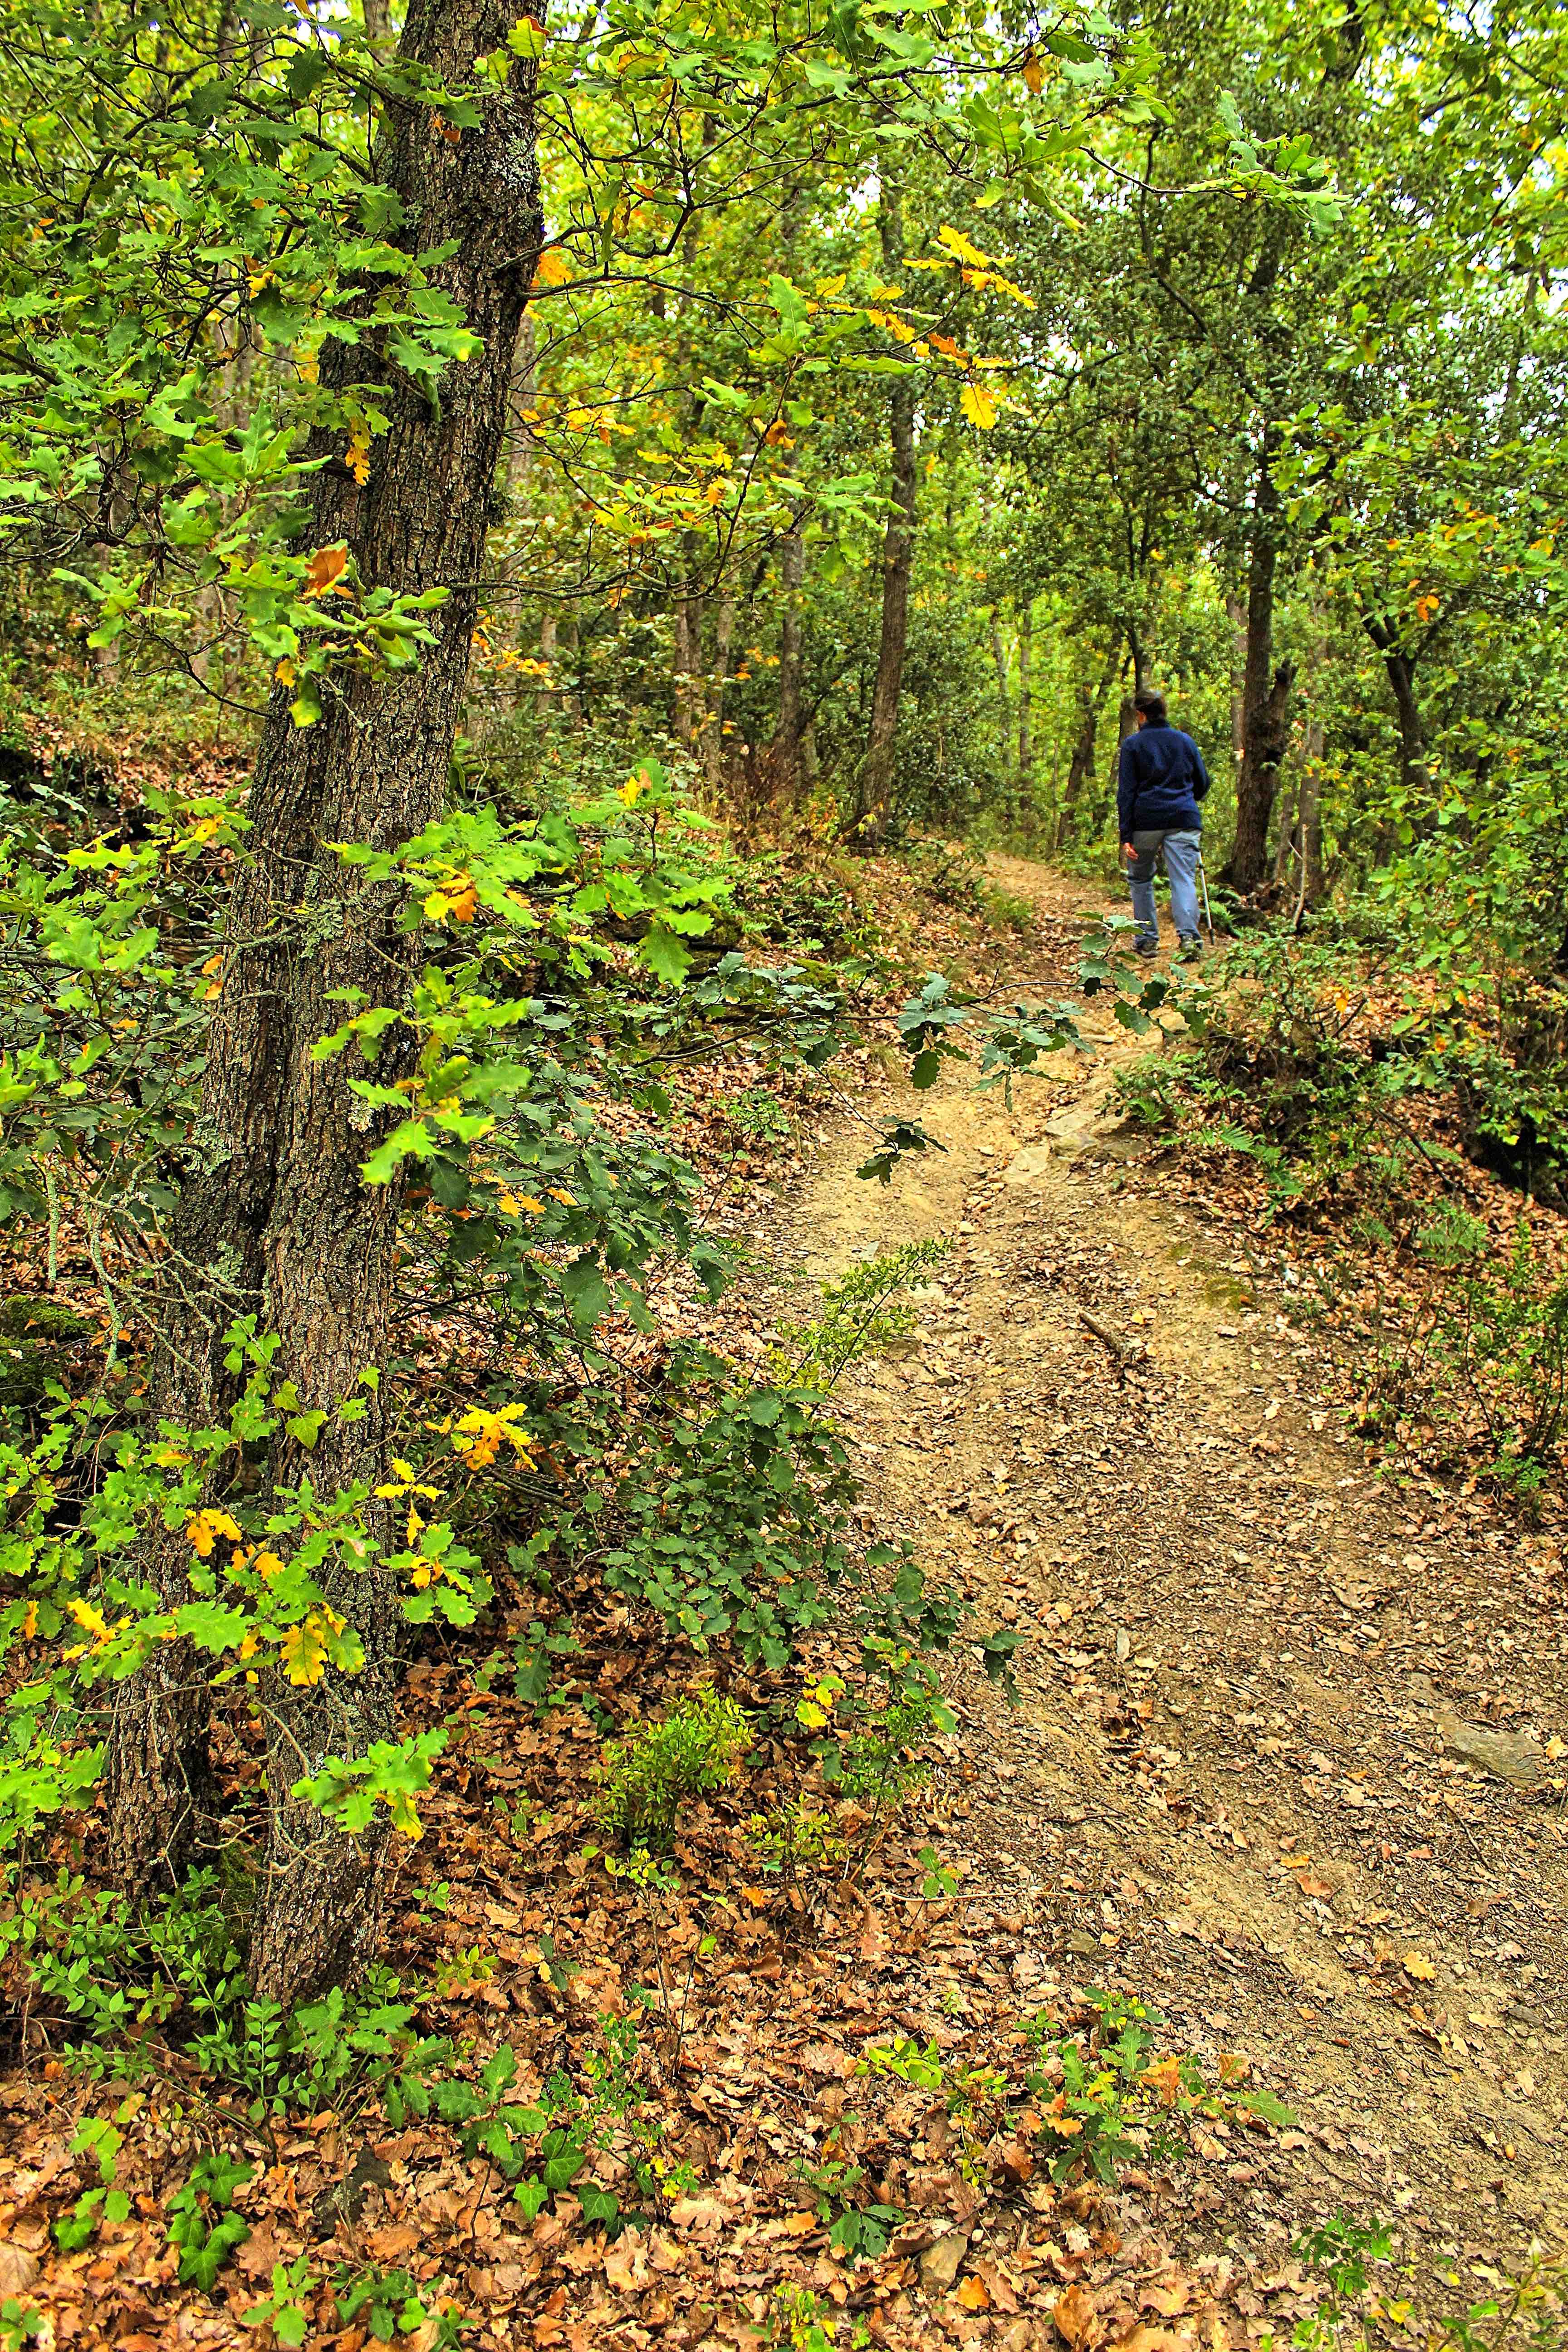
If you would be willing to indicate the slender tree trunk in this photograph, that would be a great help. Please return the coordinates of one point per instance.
(568, 635)
(713, 730)
(1400, 669)
(1286, 845)
(1308, 880)
(1004, 696)
(788, 763)
(1080, 768)
(1026, 707)
(873, 783)
(688, 646)
(1266, 694)
(276, 1221)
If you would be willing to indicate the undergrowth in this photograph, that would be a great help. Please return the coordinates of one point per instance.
(1448, 1329)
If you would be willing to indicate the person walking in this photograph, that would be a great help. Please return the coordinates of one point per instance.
(1160, 779)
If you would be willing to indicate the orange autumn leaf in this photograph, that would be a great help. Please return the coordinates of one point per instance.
(1074, 2314)
(1165, 2080)
(325, 569)
(975, 2295)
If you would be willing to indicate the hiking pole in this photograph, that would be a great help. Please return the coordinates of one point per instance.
(1203, 881)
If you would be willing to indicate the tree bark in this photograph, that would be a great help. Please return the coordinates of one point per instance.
(275, 1221)
(1265, 695)
(1400, 669)
(873, 783)
(687, 648)
(1026, 710)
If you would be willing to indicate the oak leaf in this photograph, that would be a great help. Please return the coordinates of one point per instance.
(325, 569)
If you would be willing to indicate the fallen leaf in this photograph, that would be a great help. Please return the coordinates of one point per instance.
(625, 2262)
(939, 2263)
(397, 2239)
(255, 2258)
(1415, 1964)
(18, 2269)
(974, 2296)
(1166, 2300)
(1074, 2314)
(1165, 2080)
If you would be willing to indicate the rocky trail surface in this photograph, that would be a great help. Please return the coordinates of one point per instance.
(1278, 1759)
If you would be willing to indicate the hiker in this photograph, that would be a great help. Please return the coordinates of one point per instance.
(1160, 781)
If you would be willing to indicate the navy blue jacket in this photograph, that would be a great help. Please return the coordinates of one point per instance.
(1159, 781)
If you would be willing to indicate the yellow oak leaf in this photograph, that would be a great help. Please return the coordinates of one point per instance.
(203, 1530)
(978, 406)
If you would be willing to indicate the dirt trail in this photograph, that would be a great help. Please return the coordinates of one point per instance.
(1225, 1785)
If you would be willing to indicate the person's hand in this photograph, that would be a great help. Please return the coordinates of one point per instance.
(1128, 851)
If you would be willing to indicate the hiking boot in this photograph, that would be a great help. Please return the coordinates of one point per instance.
(1191, 950)
(1146, 947)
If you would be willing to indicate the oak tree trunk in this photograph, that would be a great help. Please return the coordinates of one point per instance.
(1025, 711)
(1264, 695)
(276, 1222)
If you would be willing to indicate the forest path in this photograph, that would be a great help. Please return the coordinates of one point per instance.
(1223, 1785)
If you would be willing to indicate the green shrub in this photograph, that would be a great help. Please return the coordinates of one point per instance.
(1522, 2311)
(697, 1748)
(856, 2227)
(795, 1838)
(1150, 1092)
(1472, 1346)
(948, 873)
(1005, 911)
(547, 2144)
(863, 1310)
(115, 1971)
